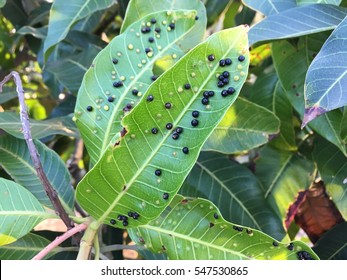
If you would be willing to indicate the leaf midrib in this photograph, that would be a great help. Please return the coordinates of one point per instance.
(178, 119)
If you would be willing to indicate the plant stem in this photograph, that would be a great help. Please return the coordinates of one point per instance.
(96, 248)
(59, 240)
(50, 191)
(88, 240)
(120, 247)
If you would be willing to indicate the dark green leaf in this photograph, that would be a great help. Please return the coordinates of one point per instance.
(283, 174)
(194, 229)
(269, 7)
(291, 63)
(24, 248)
(332, 166)
(64, 14)
(344, 126)
(7, 94)
(235, 190)
(20, 212)
(297, 22)
(124, 179)
(11, 123)
(214, 9)
(16, 160)
(333, 244)
(135, 68)
(326, 78)
(149, 255)
(40, 32)
(137, 10)
(245, 126)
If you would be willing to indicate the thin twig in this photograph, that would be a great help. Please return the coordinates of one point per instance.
(59, 240)
(50, 191)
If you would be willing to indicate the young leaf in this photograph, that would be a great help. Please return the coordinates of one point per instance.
(128, 60)
(20, 212)
(137, 10)
(283, 174)
(235, 190)
(297, 22)
(245, 126)
(193, 229)
(16, 160)
(270, 7)
(332, 166)
(292, 78)
(326, 86)
(145, 166)
(64, 14)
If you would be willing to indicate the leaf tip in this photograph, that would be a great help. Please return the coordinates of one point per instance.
(311, 114)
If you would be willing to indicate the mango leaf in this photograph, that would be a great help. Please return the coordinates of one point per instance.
(64, 15)
(297, 22)
(343, 131)
(134, 57)
(270, 7)
(268, 92)
(7, 94)
(137, 10)
(306, 2)
(2, 3)
(245, 126)
(20, 212)
(11, 123)
(333, 244)
(24, 248)
(214, 9)
(194, 229)
(326, 87)
(235, 190)
(283, 174)
(16, 160)
(40, 32)
(332, 166)
(292, 78)
(145, 166)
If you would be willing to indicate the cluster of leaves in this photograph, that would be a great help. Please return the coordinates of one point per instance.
(247, 172)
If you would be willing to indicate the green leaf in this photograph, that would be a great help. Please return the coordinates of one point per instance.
(2, 3)
(268, 92)
(7, 94)
(40, 32)
(24, 248)
(15, 159)
(283, 174)
(193, 229)
(332, 166)
(325, 87)
(235, 190)
(135, 66)
(270, 7)
(20, 212)
(214, 9)
(344, 126)
(137, 10)
(124, 178)
(333, 244)
(292, 78)
(11, 123)
(64, 14)
(245, 126)
(297, 22)
(306, 2)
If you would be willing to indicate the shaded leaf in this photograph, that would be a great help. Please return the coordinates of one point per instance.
(291, 63)
(283, 174)
(332, 166)
(15, 159)
(245, 126)
(2, 3)
(148, 255)
(306, 2)
(326, 78)
(64, 15)
(235, 190)
(344, 126)
(214, 9)
(297, 22)
(39, 32)
(270, 7)
(193, 229)
(135, 66)
(11, 123)
(333, 244)
(20, 212)
(137, 10)
(7, 94)
(24, 248)
(267, 91)
(145, 166)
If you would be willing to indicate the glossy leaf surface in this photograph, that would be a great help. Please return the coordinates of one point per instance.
(144, 169)
(194, 229)
(270, 7)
